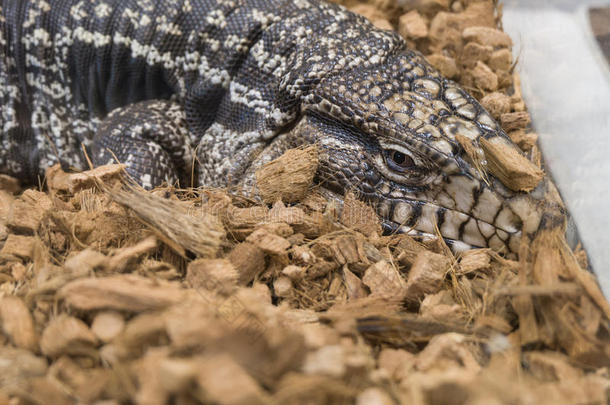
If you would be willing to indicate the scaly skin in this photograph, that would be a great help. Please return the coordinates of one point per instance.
(231, 85)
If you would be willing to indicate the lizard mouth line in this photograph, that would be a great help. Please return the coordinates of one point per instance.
(392, 227)
(335, 192)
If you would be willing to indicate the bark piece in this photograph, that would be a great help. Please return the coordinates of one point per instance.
(385, 281)
(374, 396)
(496, 104)
(17, 323)
(122, 293)
(60, 181)
(524, 139)
(483, 77)
(288, 177)
(107, 325)
(551, 366)
(500, 60)
(294, 273)
(474, 260)
(328, 361)
(426, 275)
(19, 246)
(67, 335)
(9, 184)
(446, 351)
(515, 120)
(217, 275)
(487, 36)
(473, 52)
(248, 260)
(268, 242)
(222, 380)
(18, 365)
(513, 169)
(85, 261)
(282, 286)
(359, 216)
(398, 363)
(412, 25)
(445, 64)
(126, 257)
(28, 211)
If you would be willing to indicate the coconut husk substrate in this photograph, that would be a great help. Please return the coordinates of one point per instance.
(113, 295)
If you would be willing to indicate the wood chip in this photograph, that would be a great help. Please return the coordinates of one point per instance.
(28, 211)
(218, 378)
(445, 64)
(67, 335)
(426, 275)
(496, 104)
(248, 260)
(551, 366)
(500, 60)
(288, 177)
(474, 153)
(6, 206)
(295, 273)
(18, 365)
(524, 139)
(9, 184)
(428, 7)
(474, 260)
(507, 164)
(121, 293)
(483, 77)
(408, 249)
(473, 52)
(107, 325)
(359, 216)
(151, 389)
(85, 262)
(171, 221)
(398, 363)
(442, 307)
(487, 36)
(385, 281)
(218, 275)
(412, 25)
(374, 396)
(268, 242)
(515, 120)
(43, 390)
(354, 285)
(60, 181)
(446, 351)
(282, 286)
(18, 246)
(17, 323)
(86, 384)
(126, 257)
(328, 361)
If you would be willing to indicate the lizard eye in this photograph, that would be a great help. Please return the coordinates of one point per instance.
(399, 161)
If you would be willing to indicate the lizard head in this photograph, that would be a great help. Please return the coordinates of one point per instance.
(394, 133)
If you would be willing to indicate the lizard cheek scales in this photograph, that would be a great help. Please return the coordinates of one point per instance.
(230, 85)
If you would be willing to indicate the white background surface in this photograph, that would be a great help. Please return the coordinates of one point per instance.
(566, 85)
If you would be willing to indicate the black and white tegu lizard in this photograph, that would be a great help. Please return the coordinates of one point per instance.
(230, 85)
